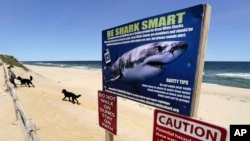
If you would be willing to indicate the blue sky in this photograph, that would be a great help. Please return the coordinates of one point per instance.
(36, 30)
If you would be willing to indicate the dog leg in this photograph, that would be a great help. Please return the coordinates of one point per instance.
(73, 100)
(32, 84)
(77, 101)
(64, 98)
(70, 99)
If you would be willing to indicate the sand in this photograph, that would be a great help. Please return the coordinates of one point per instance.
(58, 120)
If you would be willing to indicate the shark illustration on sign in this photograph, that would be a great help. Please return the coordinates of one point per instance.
(146, 61)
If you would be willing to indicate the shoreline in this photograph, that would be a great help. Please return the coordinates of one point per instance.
(238, 79)
(215, 72)
(61, 120)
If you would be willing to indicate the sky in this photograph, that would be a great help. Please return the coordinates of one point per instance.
(54, 30)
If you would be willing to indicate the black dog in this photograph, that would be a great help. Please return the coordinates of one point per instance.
(70, 95)
(26, 81)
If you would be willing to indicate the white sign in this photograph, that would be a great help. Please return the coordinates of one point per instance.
(169, 126)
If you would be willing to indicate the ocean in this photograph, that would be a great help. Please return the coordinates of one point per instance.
(96, 65)
(235, 74)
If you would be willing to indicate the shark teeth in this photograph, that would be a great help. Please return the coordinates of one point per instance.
(156, 64)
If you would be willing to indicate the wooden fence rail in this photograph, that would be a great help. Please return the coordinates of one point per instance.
(28, 125)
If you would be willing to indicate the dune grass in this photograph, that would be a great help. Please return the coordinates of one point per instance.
(11, 61)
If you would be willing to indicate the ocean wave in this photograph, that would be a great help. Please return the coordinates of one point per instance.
(68, 64)
(44, 64)
(234, 75)
(84, 67)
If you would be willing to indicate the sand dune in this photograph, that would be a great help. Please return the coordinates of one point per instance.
(58, 120)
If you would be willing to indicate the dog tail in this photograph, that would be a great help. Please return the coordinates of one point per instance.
(31, 78)
(78, 96)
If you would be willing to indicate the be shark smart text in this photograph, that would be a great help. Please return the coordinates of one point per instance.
(147, 24)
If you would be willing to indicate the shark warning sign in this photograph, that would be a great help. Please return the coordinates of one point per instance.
(173, 127)
(157, 60)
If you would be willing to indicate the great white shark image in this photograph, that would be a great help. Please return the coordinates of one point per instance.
(146, 61)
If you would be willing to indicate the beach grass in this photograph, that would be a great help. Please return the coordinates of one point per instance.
(12, 61)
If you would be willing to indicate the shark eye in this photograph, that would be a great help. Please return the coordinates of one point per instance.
(160, 48)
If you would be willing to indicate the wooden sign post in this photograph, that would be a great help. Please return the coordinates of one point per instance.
(201, 56)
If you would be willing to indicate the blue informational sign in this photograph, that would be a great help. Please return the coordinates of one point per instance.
(154, 60)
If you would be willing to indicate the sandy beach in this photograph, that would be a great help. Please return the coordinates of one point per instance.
(58, 120)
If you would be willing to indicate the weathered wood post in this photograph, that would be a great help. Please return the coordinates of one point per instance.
(108, 136)
(27, 124)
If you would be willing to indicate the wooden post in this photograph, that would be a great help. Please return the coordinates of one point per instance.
(198, 77)
(15, 99)
(27, 124)
(108, 136)
(31, 130)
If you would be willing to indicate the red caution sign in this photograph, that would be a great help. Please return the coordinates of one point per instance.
(173, 127)
(107, 110)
